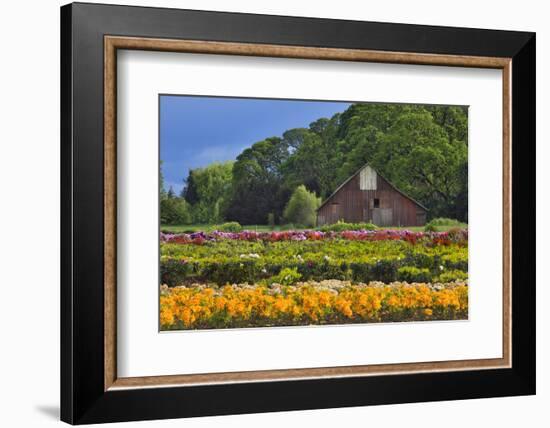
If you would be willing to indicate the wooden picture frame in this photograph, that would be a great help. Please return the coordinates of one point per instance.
(91, 390)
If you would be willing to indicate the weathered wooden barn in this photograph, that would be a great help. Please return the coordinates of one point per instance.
(366, 196)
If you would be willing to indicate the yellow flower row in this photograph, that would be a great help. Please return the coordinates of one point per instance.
(257, 306)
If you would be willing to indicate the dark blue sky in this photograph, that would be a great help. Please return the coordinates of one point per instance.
(196, 131)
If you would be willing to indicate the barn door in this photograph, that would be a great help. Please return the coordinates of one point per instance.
(334, 212)
(420, 218)
(382, 216)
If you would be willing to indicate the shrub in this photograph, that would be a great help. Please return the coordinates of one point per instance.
(174, 211)
(433, 224)
(429, 227)
(174, 272)
(229, 272)
(456, 233)
(455, 262)
(302, 207)
(271, 219)
(341, 226)
(286, 276)
(366, 226)
(452, 275)
(442, 221)
(422, 260)
(383, 270)
(413, 274)
(231, 226)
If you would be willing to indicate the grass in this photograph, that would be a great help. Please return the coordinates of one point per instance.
(421, 228)
(188, 228)
(211, 227)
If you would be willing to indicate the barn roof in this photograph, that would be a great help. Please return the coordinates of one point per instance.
(387, 181)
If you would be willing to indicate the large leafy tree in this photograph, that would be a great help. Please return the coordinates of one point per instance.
(208, 190)
(362, 127)
(419, 157)
(257, 182)
(313, 162)
(174, 211)
(309, 165)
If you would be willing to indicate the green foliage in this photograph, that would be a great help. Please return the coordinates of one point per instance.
(258, 182)
(231, 226)
(174, 211)
(341, 226)
(452, 275)
(174, 272)
(413, 274)
(271, 219)
(302, 207)
(162, 190)
(208, 190)
(429, 170)
(286, 276)
(442, 221)
(228, 272)
(437, 224)
(429, 227)
(231, 261)
(384, 270)
(309, 164)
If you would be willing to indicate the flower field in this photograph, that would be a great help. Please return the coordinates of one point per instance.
(252, 279)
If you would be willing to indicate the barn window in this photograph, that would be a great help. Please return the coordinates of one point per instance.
(376, 203)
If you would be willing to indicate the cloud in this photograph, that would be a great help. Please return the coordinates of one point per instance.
(218, 154)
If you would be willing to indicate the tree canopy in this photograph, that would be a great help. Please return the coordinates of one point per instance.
(208, 190)
(302, 207)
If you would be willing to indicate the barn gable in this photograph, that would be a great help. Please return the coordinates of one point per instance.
(366, 196)
(367, 178)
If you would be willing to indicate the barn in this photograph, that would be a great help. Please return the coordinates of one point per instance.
(366, 196)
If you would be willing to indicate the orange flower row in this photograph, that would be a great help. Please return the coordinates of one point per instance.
(261, 306)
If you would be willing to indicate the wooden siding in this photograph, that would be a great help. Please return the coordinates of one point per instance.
(353, 205)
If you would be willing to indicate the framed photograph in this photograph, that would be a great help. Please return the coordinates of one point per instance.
(265, 213)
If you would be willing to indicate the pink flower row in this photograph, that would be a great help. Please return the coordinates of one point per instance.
(352, 235)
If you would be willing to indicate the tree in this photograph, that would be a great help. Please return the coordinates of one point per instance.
(189, 191)
(162, 190)
(308, 165)
(360, 132)
(174, 211)
(302, 207)
(453, 119)
(208, 190)
(171, 194)
(258, 182)
(293, 138)
(312, 162)
(418, 156)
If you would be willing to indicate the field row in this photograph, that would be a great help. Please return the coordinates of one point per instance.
(202, 306)
(266, 263)
(434, 238)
